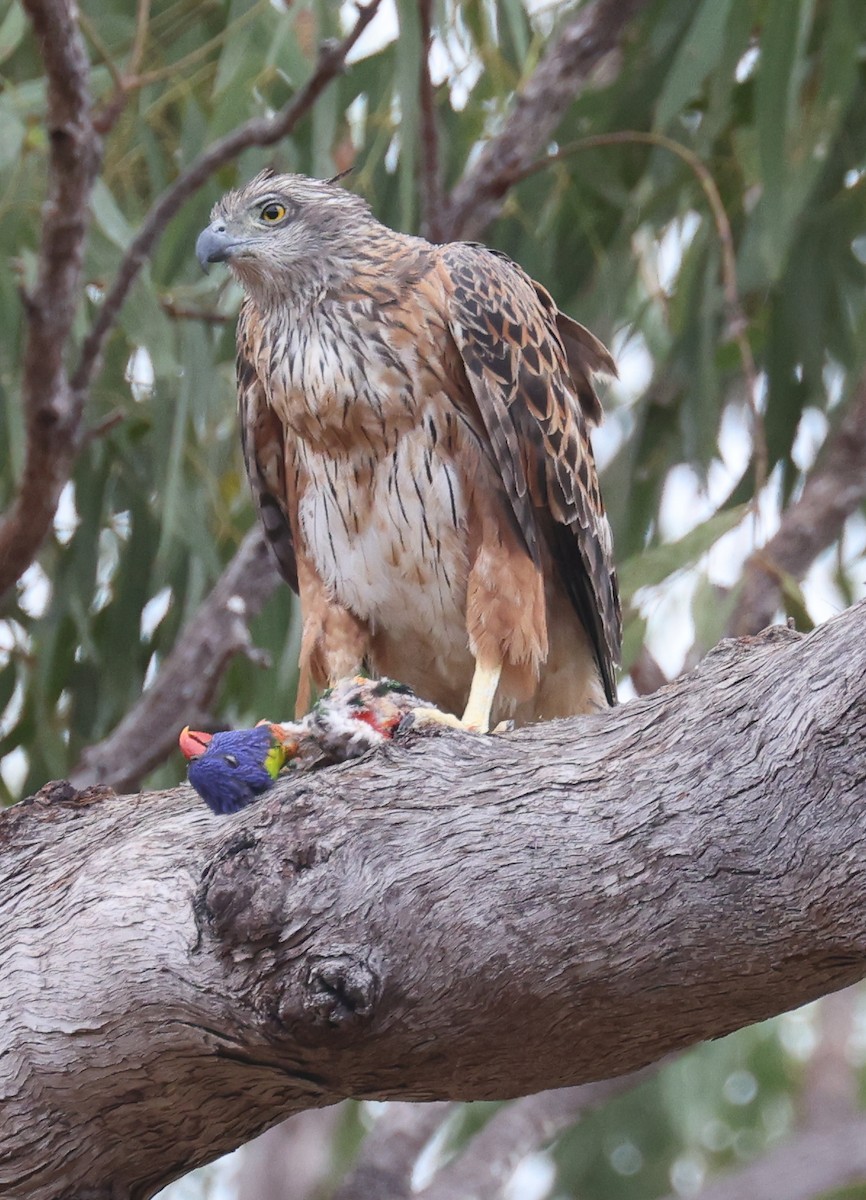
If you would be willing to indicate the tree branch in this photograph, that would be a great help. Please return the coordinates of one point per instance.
(455, 917)
(52, 410)
(189, 677)
(831, 1083)
(292, 1161)
(488, 1162)
(387, 1158)
(596, 30)
(834, 489)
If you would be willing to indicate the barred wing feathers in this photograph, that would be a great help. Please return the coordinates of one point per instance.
(530, 369)
(263, 444)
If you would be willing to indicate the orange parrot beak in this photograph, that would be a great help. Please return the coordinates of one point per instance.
(193, 743)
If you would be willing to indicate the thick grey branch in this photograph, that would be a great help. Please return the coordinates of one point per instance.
(834, 489)
(187, 680)
(585, 41)
(52, 411)
(456, 917)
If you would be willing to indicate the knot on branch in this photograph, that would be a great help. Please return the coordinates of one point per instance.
(340, 991)
(54, 802)
(736, 647)
(60, 793)
(245, 895)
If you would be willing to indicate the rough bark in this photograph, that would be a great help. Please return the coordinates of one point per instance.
(455, 917)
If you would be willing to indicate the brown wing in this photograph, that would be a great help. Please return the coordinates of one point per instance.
(263, 442)
(530, 369)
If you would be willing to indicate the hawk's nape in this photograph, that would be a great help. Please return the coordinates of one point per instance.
(415, 421)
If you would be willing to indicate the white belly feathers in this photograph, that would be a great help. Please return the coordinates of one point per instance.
(391, 545)
(382, 512)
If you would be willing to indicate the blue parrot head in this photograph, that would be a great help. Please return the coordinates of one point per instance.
(234, 767)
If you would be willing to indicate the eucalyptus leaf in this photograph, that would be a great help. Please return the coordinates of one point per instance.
(12, 30)
(701, 49)
(655, 565)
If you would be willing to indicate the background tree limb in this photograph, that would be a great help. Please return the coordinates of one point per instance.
(384, 1166)
(834, 489)
(583, 43)
(432, 196)
(52, 409)
(531, 1123)
(186, 682)
(455, 917)
(292, 1161)
(801, 1168)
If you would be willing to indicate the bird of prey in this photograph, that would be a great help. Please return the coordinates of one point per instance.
(415, 423)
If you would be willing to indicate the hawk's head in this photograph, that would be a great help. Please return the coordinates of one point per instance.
(282, 229)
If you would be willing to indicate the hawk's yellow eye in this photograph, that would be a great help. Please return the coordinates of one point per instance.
(273, 212)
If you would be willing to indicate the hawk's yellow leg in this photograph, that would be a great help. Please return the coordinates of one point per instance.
(476, 715)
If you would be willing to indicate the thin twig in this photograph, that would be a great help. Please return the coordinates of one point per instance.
(181, 68)
(126, 81)
(52, 410)
(183, 312)
(88, 28)
(139, 39)
(737, 322)
(259, 131)
(432, 200)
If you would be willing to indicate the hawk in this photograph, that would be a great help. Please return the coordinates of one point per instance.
(415, 424)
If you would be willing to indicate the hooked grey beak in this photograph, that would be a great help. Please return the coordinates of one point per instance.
(215, 244)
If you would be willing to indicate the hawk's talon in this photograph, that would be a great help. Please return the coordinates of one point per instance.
(431, 718)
